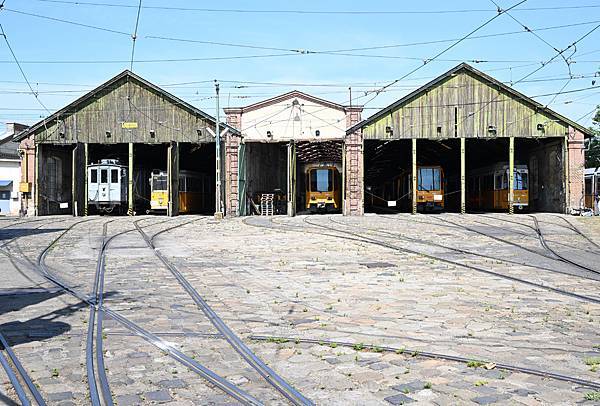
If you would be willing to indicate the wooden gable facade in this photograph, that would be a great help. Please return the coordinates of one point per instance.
(125, 109)
(465, 102)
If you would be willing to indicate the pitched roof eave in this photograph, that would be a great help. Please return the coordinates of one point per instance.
(126, 73)
(460, 67)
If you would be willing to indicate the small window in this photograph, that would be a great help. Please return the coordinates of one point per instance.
(498, 181)
(94, 176)
(114, 176)
(104, 176)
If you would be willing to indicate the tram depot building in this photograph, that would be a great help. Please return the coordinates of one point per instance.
(459, 140)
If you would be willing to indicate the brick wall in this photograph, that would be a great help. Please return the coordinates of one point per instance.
(232, 142)
(576, 169)
(354, 203)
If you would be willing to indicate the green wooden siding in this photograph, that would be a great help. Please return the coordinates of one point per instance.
(475, 103)
(127, 101)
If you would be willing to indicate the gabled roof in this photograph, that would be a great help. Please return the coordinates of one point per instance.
(287, 96)
(126, 74)
(485, 77)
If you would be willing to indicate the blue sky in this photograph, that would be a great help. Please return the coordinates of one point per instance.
(509, 57)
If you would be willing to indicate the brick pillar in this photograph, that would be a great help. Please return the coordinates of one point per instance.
(576, 162)
(354, 203)
(353, 114)
(232, 142)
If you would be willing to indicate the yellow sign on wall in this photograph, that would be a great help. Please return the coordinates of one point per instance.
(129, 125)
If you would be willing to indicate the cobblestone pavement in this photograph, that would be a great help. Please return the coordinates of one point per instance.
(345, 309)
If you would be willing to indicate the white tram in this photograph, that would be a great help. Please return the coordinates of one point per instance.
(107, 186)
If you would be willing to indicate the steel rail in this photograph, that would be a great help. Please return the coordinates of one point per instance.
(472, 267)
(578, 231)
(522, 233)
(434, 355)
(89, 359)
(562, 258)
(236, 343)
(21, 222)
(14, 381)
(216, 380)
(104, 385)
(425, 354)
(360, 238)
(533, 228)
(95, 308)
(179, 356)
(22, 372)
(493, 237)
(467, 252)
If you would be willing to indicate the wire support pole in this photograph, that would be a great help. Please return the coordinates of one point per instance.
(218, 183)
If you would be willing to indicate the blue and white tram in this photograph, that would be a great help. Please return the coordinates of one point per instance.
(107, 186)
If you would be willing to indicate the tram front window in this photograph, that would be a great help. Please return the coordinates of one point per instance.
(521, 181)
(321, 180)
(429, 179)
(159, 182)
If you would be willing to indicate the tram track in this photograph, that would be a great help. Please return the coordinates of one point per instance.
(558, 255)
(353, 236)
(529, 227)
(214, 379)
(427, 354)
(494, 237)
(16, 374)
(579, 232)
(553, 255)
(471, 267)
(434, 355)
(544, 243)
(467, 252)
(95, 319)
(274, 379)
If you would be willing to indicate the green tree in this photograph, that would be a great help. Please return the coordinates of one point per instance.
(592, 156)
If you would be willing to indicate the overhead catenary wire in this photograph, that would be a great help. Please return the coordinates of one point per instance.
(304, 11)
(134, 35)
(288, 51)
(3, 34)
(526, 28)
(448, 48)
(344, 52)
(558, 53)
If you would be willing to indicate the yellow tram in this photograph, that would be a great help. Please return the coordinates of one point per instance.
(592, 189)
(397, 192)
(487, 188)
(323, 188)
(194, 191)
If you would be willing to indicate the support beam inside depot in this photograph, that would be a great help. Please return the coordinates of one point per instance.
(389, 175)
(277, 177)
(472, 175)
